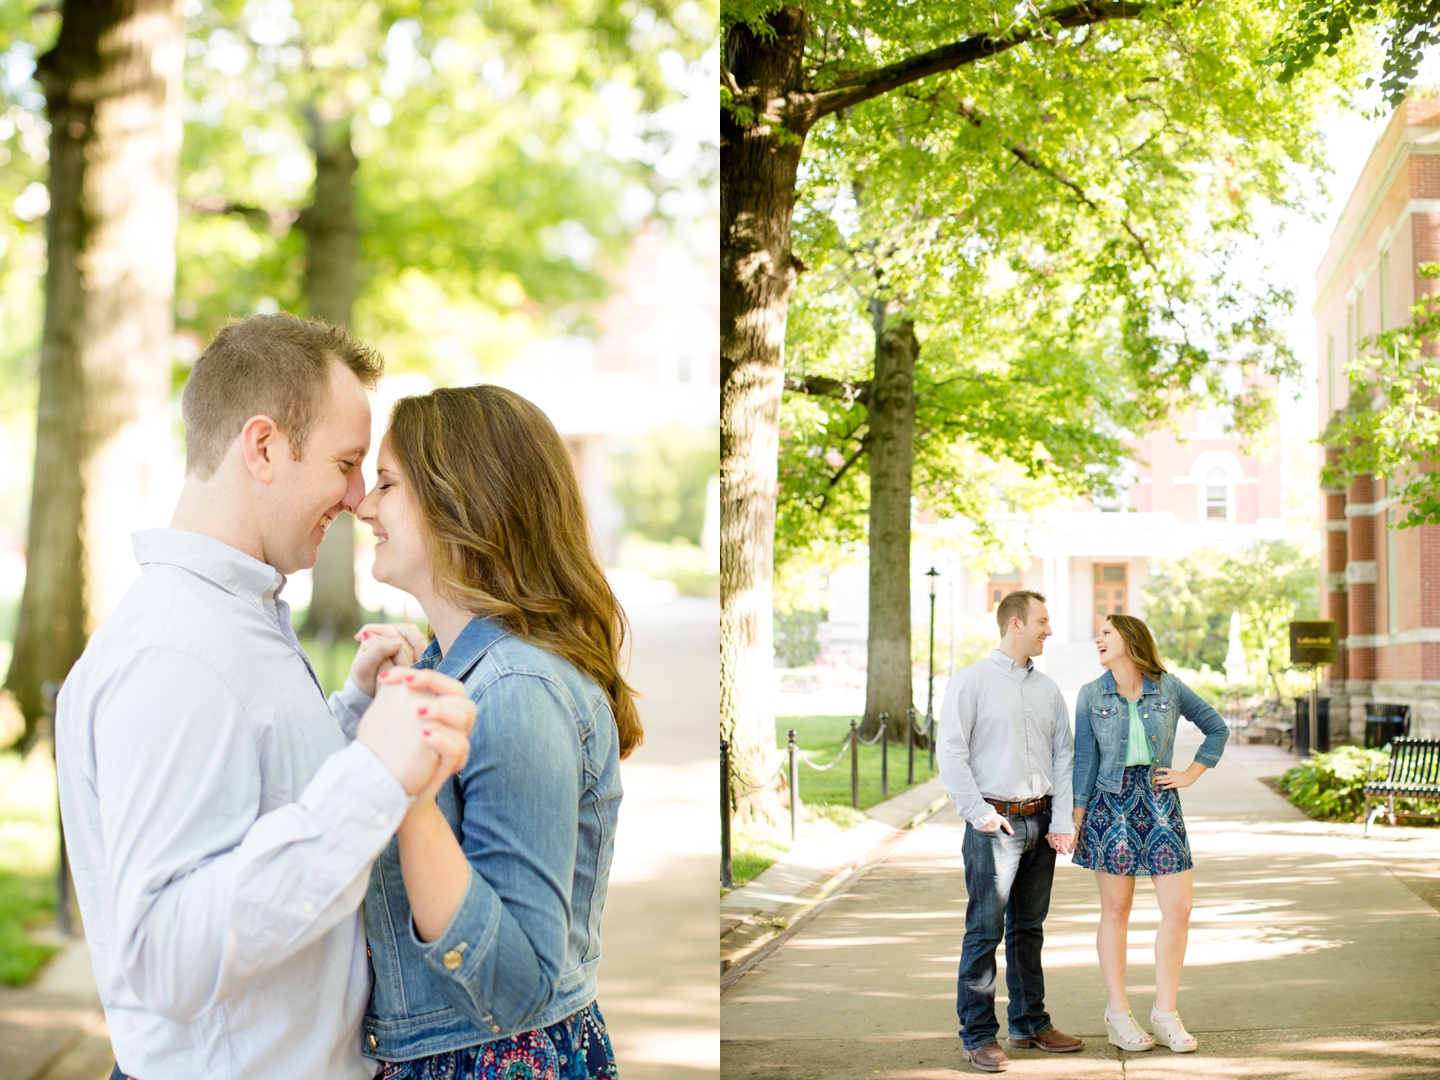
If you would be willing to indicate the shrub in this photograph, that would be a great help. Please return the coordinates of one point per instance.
(1331, 786)
(796, 640)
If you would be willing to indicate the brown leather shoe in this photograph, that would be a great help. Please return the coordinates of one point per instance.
(1054, 1040)
(987, 1058)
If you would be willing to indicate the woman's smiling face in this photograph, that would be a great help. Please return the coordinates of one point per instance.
(1109, 644)
(401, 555)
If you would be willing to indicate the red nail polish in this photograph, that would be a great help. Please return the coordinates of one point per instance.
(421, 711)
(425, 732)
(409, 678)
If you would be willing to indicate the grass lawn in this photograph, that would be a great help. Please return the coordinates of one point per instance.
(825, 796)
(332, 665)
(29, 844)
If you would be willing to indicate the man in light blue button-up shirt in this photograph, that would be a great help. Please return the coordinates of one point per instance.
(220, 828)
(1006, 755)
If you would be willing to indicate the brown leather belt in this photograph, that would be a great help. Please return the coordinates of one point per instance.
(1022, 809)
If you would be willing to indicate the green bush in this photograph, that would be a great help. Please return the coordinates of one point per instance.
(1331, 786)
(796, 641)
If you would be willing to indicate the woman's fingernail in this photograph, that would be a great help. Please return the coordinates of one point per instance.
(365, 635)
(425, 732)
(421, 711)
(409, 678)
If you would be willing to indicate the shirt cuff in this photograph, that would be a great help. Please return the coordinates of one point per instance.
(357, 800)
(348, 706)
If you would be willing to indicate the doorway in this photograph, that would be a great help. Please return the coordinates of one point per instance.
(1110, 592)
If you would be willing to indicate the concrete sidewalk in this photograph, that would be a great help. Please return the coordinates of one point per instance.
(1313, 953)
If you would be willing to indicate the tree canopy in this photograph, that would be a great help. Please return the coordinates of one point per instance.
(1062, 223)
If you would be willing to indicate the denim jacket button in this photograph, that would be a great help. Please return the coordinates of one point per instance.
(451, 959)
(371, 1041)
(495, 1028)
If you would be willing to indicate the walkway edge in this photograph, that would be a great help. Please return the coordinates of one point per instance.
(756, 916)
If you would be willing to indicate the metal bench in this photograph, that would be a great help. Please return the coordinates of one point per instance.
(1414, 774)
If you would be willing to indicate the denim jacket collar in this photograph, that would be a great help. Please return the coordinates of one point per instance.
(466, 650)
(1107, 684)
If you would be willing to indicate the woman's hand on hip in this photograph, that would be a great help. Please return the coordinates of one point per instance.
(1171, 779)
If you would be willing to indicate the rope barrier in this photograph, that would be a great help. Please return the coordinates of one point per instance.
(844, 749)
(747, 789)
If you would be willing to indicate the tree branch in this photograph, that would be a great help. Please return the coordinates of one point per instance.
(823, 386)
(278, 220)
(855, 88)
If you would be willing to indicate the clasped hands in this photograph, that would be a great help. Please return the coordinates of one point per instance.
(1063, 843)
(420, 721)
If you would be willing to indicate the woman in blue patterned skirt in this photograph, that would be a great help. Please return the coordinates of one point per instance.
(1127, 814)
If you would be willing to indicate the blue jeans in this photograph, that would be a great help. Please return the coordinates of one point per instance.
(1008, 880)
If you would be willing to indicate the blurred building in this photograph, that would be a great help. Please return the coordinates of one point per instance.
(655, 361)
(1188, 490)
(1380, 584)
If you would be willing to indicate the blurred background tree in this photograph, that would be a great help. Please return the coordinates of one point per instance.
(1188, 603)
(458, 185)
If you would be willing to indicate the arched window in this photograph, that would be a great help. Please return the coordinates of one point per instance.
(1217, 495)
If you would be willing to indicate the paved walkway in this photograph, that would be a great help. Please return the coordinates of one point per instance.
(658, 988)
(1313, 954)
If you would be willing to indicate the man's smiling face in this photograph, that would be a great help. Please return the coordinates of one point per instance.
(312, 491)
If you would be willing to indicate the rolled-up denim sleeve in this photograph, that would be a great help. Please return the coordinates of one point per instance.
(500, 959)
(1087, 751)
(1203, 715)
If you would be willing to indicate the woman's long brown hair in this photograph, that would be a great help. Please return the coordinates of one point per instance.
(1139, 643)
(508, 532)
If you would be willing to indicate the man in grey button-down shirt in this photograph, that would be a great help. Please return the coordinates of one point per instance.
(220, 828)
(1005, 756)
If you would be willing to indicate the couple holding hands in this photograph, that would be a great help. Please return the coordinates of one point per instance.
(225, 821)
(1109, 797)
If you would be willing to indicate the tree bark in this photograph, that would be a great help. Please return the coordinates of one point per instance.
(103, 446)
(757, 278)
(891, 418)
(332, 255)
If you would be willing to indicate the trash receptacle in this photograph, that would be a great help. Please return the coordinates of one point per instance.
(1385, 722)
(1302, 726)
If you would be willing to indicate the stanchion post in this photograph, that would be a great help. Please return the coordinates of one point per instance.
(855, 764)
(884, 755)
(794, 784)
(727, 879)
(910, 746)
(64, 922)
(932, 574)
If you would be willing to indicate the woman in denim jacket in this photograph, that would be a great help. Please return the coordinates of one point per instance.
(483, 915)
(1127, 814)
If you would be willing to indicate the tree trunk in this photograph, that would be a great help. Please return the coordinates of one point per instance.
(891, 418)
(332, 253)
(103, 446)
(757, 277)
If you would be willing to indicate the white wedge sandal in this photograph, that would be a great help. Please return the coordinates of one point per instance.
(1169, 1028)
(1125, 1033)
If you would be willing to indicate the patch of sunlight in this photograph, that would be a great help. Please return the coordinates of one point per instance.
(843, 942)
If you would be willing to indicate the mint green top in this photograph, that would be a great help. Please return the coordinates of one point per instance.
(1137, 746)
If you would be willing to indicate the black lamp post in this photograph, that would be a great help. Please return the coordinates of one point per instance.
(932, 574)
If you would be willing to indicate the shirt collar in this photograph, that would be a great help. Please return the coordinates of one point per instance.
(466, 650)
(1147, 684)
(1010, 665)
(212, 559)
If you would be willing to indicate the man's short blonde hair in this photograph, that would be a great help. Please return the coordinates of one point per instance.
(1016, 605)
(268, 365)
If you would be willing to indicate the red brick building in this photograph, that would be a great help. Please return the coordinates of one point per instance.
(1380, 584)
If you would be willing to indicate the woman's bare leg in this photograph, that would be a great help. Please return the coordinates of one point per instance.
(1117, 893)
(1174, 892)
